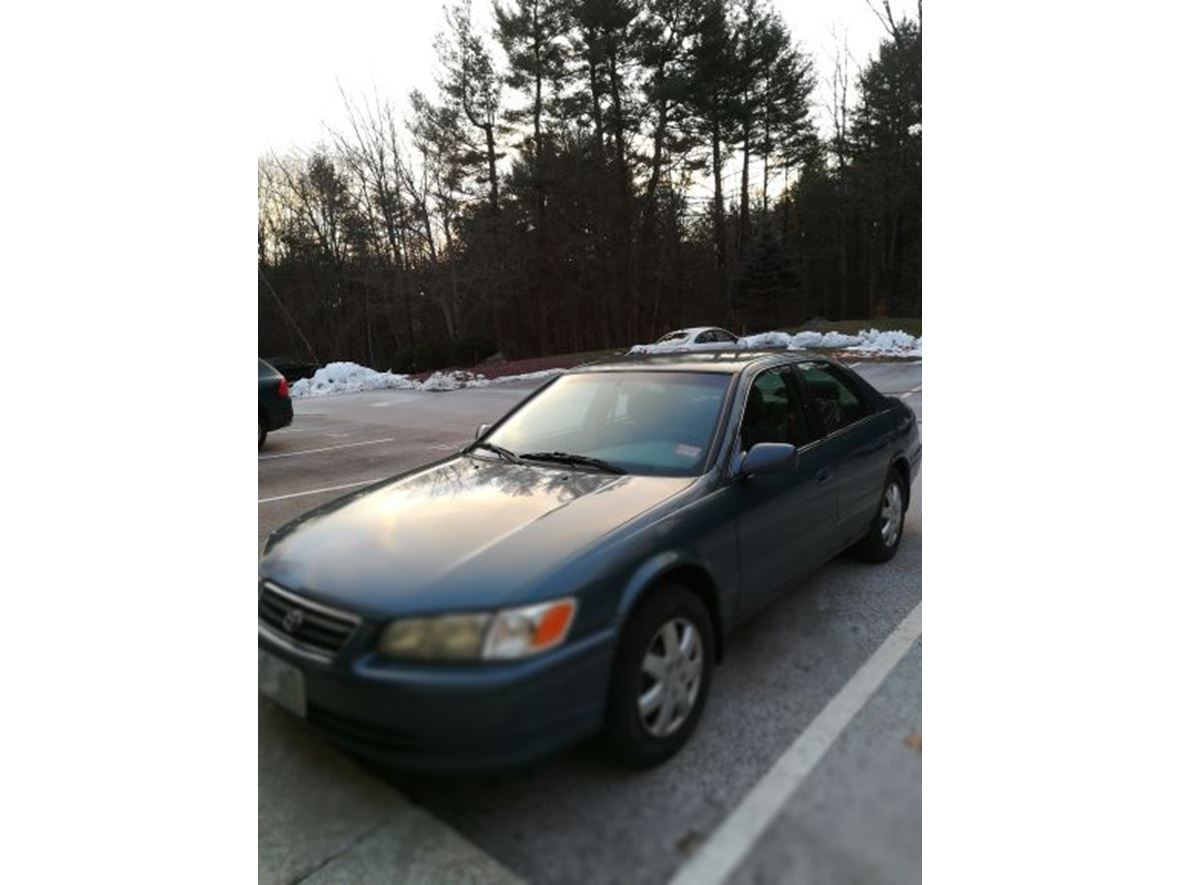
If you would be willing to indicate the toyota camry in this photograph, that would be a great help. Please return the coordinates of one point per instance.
(576, 570)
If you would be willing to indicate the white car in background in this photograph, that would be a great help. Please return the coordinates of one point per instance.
(696, 338)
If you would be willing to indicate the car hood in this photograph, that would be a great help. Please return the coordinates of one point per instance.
(463, 534)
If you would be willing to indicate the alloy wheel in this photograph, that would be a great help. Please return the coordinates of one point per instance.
(671, 677)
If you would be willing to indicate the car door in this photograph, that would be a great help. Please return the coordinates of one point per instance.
(785, 520)
(855, 437)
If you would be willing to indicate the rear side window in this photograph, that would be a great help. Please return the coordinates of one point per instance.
(774, 411)
(722, 335)
(833, 402)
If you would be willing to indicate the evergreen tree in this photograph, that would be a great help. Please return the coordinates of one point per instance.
(472, 87)
(886, 143)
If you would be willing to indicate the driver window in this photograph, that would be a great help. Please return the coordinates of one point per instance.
(774, 411)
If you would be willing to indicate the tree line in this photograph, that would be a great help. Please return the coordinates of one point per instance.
(591, 174)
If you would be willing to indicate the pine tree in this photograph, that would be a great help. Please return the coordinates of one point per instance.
(886, 145)
(472, 87)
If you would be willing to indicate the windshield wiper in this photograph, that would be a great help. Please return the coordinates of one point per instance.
(574, 460)
(499, 450)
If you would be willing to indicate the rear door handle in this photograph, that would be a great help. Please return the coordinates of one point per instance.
(823, 476)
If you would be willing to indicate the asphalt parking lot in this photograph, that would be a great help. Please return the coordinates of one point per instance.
(854, 815)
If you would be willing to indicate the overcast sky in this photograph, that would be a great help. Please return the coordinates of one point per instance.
(387, 47)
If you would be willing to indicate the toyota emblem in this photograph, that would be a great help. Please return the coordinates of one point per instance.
(292, 620)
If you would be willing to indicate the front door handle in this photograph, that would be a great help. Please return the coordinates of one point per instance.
(823, 476)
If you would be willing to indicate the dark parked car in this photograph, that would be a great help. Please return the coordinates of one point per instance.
(577, 568)
(274, 401)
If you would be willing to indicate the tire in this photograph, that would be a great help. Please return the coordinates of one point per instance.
(884, 536)
(645, 740)
(261, 431)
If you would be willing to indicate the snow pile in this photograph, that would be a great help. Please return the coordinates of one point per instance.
(446, 381)
(802, 341)
(895, 343)
(871, 341)
(349, 378)
(353, 378)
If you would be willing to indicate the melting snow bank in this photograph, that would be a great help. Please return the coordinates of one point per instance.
(348, 378)
(895, 343)
(353, 378)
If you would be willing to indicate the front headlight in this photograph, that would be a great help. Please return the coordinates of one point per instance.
(520, 632)
(504, 635)
(445, 637)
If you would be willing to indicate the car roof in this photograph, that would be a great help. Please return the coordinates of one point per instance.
(693, 330)
(729, 362)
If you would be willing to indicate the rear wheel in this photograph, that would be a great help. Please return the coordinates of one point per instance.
(884, 536)
(661, 676)
(261, 431)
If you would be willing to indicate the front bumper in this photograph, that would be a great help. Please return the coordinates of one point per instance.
(444, 717)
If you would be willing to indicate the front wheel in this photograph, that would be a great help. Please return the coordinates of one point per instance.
(661, 676)
(884, 536)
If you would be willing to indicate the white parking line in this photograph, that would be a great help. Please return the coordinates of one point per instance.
(732, 841)
(913, 390)
(347, 485)
(371, 442)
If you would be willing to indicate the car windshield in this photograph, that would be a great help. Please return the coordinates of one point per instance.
(673, 336)
(640, 422)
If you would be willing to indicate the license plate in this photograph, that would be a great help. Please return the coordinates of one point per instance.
(282, 683)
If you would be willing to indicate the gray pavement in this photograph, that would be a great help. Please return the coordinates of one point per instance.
(321, 818)
(576, 817)
(858, 816)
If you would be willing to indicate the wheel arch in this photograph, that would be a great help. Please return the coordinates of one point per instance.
(688, 573)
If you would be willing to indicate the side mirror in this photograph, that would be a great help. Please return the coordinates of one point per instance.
(768, 458)
(482, 429)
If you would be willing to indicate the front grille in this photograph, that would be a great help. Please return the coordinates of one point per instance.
(303, 622)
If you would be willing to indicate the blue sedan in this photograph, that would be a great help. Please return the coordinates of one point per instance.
(576, 569)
